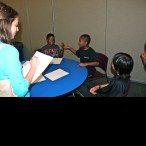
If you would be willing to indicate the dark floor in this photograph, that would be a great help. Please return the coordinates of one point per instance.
(137, 89)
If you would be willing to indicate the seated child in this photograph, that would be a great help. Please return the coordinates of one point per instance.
(122, 66)
(88, 57)
(51, 48)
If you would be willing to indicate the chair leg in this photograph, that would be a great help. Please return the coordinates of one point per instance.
(77, 91)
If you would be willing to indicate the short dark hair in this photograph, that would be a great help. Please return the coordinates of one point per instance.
(123, 64)
(7, 16)
(50, 35)
(86, 37)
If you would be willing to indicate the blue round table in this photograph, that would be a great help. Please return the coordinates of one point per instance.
(77, 76)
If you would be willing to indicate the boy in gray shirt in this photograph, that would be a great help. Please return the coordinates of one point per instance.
(51, 48)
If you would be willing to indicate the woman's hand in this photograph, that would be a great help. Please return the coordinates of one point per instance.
(94, 89)
(34, 62)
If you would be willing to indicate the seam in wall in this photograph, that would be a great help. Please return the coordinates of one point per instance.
(52, 23)
(28, 23)
(106, 28)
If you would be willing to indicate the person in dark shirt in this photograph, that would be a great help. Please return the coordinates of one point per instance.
(51, 48)
(122, 66)
(88, 57)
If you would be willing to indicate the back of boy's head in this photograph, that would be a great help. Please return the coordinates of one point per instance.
(86, 37)
(123, 64)
(50, 35)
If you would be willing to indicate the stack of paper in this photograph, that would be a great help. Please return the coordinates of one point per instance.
(41, 78)
(56, 61)
(44, 61)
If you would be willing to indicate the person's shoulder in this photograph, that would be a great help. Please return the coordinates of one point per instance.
(45, 46)
(119, 82)
(56, 46)
(10, 48)
(91, 49)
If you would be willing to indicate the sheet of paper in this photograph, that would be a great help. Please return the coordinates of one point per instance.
(55, 75)
(44, 60)
(56, 61)
(26, 68)
(41, 78)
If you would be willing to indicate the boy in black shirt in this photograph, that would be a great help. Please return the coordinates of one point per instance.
(88, 57)
(122, 66)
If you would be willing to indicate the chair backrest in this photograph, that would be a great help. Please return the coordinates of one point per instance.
(103, 61)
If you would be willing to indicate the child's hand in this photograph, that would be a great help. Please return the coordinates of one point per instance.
(92, 90)
(64, 46)
(83, 64)
(144, 56)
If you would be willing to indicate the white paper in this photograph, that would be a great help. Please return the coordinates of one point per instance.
(55, 75)
(44, 61)
(56, 61)
(26, 68)
(41, 78)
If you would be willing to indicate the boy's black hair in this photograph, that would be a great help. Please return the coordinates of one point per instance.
(123, 64)
(86, 37)
(50, 35)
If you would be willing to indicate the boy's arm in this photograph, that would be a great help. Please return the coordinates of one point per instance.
(67, 47)
(74, 51)
(94, 62)
(94, 89)
(89, 64)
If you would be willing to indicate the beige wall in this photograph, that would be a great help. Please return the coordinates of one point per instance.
(126, 26)
(127, 31)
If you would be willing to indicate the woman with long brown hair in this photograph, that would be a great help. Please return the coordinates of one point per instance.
(10, 66)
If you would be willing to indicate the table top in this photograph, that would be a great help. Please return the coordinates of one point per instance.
(77, 76)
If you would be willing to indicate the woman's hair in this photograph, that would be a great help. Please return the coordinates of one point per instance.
(123, 64)
(7, 16)
(50, 35)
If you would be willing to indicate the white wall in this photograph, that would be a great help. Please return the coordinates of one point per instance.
(127, 31)
(74, 18)
(126, 26)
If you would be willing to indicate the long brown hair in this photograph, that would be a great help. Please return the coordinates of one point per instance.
(7, 16)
